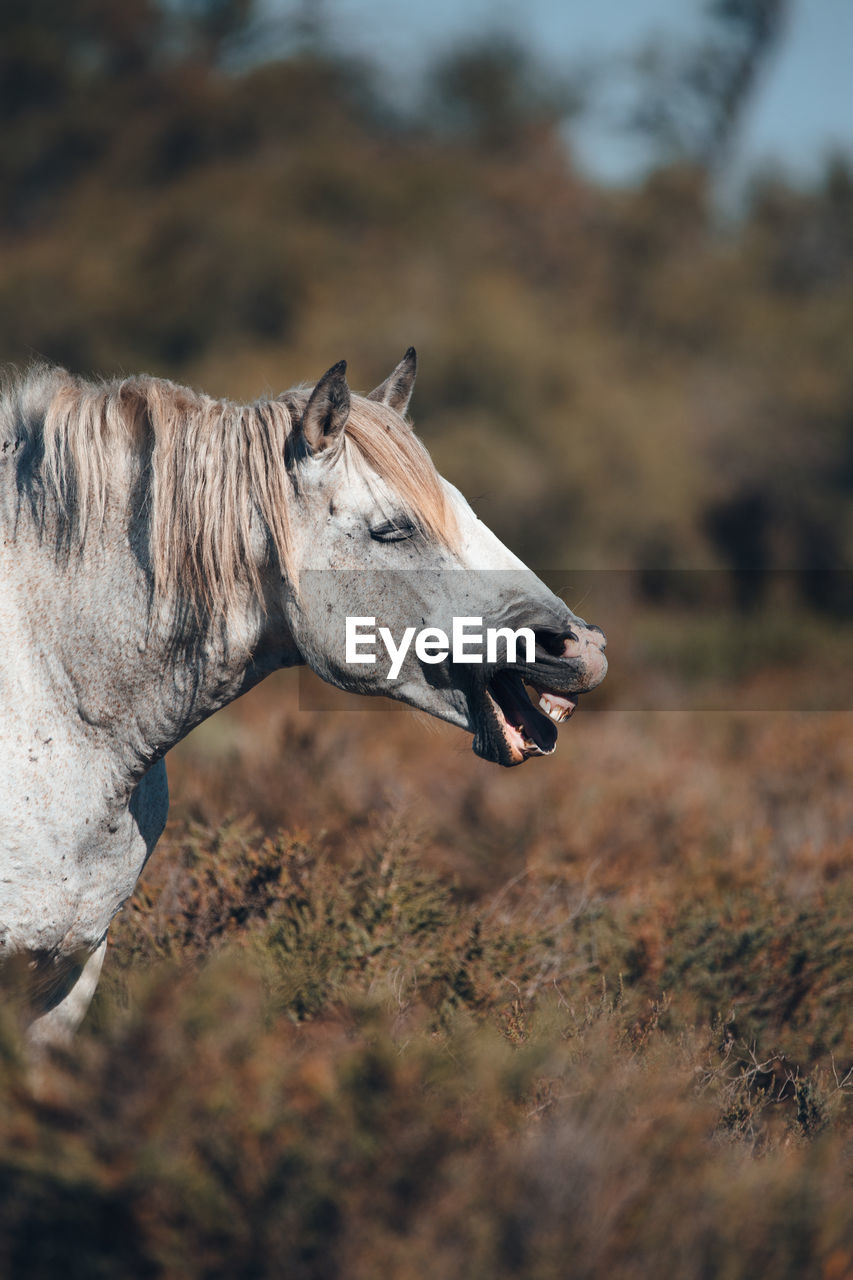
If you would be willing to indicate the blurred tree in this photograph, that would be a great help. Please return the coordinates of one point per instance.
(693, 103)
(496, 92)
(67, 71)
(202, 29)
(738, 527)
(802, 240)
(51, 49)
(211, 189)
(76, 76)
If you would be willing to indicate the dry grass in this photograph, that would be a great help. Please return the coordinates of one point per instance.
(378, 1008)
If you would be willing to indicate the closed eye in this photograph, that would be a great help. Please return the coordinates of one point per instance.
(396, 530)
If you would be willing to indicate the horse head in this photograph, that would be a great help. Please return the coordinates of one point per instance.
(392, 567)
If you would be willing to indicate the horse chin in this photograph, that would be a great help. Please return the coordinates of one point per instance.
(511, 728)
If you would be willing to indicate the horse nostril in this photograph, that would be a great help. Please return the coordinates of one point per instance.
(553, 642)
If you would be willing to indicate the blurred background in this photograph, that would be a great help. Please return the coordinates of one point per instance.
(620, 237)
(377, 1008)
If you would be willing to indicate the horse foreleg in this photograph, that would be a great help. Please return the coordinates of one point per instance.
(57, 985)
(66, 1000)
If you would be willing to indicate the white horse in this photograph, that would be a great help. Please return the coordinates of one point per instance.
(162, 552)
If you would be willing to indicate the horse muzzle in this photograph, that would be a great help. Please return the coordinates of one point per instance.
(520, 704)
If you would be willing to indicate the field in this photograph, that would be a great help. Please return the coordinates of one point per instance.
(378, 1008)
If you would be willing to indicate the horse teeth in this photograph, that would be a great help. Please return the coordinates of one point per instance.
(556, 713)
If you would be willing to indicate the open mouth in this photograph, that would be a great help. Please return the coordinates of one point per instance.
(527, 729)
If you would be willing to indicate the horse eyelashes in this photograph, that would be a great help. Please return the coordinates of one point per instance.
(393, 530)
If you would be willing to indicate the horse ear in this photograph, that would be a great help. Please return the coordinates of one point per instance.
(396, 390)
(327, 410)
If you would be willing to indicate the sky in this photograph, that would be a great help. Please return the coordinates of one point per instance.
(802, 111)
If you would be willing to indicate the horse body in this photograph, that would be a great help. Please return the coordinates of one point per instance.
(142, 591)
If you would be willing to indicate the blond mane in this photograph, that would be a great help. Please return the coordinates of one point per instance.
(212, 470)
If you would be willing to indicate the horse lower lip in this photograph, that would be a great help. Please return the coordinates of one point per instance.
(525, 728)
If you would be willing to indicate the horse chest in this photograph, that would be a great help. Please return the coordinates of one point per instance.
(69, 854)
(64, 898)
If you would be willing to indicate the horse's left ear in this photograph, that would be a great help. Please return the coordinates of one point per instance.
(396, 390)
(327, 410)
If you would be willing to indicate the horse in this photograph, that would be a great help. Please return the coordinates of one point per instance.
(161, 553)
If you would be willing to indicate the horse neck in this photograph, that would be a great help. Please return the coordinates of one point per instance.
(108, 657)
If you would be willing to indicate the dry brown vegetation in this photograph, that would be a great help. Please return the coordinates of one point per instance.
(380, 1008)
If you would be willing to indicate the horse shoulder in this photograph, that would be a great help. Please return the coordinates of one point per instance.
(70, 851)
